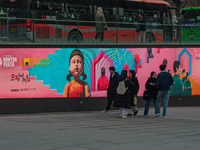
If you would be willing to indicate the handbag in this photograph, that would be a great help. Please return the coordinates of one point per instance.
(146, 95)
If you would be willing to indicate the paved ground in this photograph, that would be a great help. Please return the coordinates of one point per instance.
(98, 131)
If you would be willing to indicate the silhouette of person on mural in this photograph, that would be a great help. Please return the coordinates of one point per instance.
(187, 85)
(177, 87)
(184, 76)
(149, 50)
(137, 60)
(102, 83)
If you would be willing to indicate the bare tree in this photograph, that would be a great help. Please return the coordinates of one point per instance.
(186, 3)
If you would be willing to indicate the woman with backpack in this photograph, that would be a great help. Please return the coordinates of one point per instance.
(122, 99)
(152, 90)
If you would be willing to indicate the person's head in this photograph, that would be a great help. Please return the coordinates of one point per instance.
(177, 67)
(112, 70)
(132, 73)
(102, 71)
(140, 15)
(184, 73)
(162, 67)
(187, 76)
(99, 10)
(153, 74)
(124, 73)
(76, 64)
(165, 62)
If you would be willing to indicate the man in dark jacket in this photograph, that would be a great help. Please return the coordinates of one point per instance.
(164, 81)
(111, 91)
(141, 28)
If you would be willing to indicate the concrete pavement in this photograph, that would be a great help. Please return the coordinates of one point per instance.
(98, 131)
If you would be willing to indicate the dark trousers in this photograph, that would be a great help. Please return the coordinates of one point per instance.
(97, 36)
(148, 102)
(109, 103)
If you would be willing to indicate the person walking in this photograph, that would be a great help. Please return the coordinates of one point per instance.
(164, 81)
(133, 93)
(122, 100)
(111, 91)
(101, 25)
(141, 28)
(153, 91)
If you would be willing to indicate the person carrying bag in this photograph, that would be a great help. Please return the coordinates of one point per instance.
(150, 94)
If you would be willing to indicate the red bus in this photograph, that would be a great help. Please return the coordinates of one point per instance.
(72, 21)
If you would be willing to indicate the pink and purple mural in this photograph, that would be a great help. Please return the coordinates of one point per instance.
(63, 72)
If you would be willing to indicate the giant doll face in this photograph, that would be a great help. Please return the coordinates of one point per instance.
(76, 66)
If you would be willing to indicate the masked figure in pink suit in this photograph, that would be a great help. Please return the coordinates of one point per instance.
(126, 67)
(102, 84)
(137, 60)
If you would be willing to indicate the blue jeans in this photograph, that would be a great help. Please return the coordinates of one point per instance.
(148, 102)
(165, 95)
(122, 111)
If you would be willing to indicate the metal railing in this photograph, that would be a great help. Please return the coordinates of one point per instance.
(74, 29)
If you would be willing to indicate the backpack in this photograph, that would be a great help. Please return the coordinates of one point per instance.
(121, 88)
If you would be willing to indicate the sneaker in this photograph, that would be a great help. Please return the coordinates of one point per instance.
(157, 115)
(164, 117)
(135, 113)
(130, 112)
(129, 115)
(123, 116)
(105, 111)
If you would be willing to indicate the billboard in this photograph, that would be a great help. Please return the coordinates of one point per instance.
(84, 72)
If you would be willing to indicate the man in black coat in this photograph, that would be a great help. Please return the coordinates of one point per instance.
(111, 91)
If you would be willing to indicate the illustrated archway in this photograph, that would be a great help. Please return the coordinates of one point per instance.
(186, 60)
(101, 60)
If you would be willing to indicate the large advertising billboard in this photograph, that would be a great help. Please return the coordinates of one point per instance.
(84, 72)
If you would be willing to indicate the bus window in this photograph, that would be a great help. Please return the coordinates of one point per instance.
(114, 11)
(189, 15)
(121, 11)
(91, 9)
